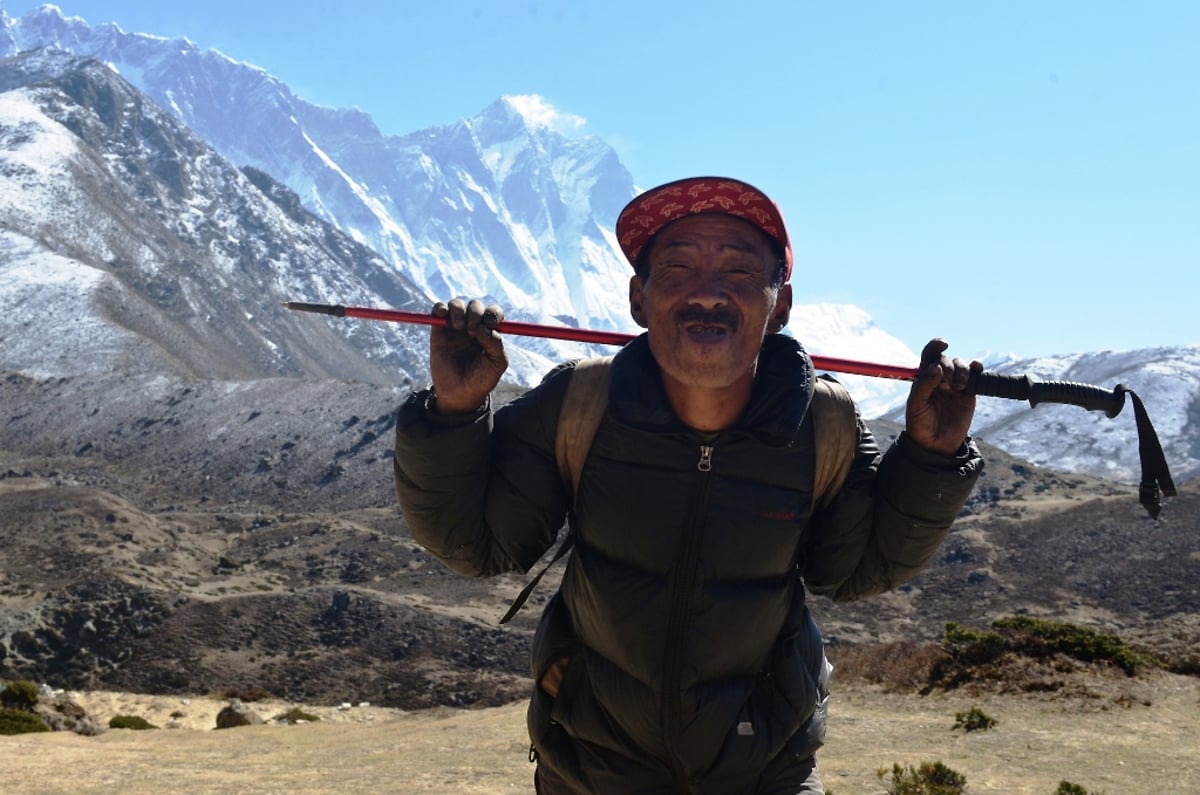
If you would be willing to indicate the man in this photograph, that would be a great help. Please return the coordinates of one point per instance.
(678, 655)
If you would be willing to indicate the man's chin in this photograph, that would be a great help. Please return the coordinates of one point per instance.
(708, 363)
(705, 373)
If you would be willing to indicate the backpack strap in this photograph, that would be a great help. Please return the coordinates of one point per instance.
(835, 432)
(583, 408)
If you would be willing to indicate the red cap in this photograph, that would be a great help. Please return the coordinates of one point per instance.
(643, 217)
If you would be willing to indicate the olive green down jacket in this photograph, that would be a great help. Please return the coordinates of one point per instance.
(694, 663)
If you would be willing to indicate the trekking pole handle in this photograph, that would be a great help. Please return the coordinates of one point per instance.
(1022, 387)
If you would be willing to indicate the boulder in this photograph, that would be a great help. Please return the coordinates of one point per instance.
(237, 714)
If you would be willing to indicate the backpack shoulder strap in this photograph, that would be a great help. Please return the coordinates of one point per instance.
(582, 410)
(835, 432)
(583, 407)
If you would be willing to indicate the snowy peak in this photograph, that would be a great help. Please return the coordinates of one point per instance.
(170, 259)
(47, 27)
(538, 114)
(527, 124)
(848, 332)
(502, 206)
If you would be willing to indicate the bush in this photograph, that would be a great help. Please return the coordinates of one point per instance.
(971, 646)
(130, 722)
(898, 665)
(930, 778)
(1187, 664)
(1038, 637)
(19, 695)
(295, 715)
(973, 720)
(1067, 788)
(19, 721)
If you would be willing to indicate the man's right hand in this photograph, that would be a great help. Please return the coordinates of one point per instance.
(466, 355)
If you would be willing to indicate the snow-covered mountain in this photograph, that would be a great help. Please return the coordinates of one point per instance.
(845, 331)
(170, 257)
(127, 244)
(499, 205)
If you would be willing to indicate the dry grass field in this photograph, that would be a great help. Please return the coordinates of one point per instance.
(1117, 747)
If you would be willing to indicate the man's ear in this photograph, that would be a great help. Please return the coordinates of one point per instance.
(783, 309)
(637, 308)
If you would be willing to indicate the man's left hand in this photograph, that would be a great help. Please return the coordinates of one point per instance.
(939, 411)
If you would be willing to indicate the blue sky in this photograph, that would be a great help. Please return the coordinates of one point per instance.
(1013, 176)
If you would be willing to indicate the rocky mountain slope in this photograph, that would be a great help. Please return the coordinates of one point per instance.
(129, 245)
(179, 536)
(496, 205)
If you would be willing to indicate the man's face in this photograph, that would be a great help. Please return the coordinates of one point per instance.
(707, 300)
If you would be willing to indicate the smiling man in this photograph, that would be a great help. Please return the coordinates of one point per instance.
(679, 655)
(708, 292)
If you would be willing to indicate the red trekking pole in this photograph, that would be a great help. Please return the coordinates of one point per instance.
(579, 335)
(1156, 479)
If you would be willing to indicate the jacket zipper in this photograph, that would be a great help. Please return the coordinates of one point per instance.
(681, 596)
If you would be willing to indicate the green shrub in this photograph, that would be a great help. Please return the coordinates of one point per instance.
(1067, 788)
(19, 695)
(1039, 637)
(130, 722)
(295, 715)
(971, 646)
(973, 720)
(19, 721)
(929, 778)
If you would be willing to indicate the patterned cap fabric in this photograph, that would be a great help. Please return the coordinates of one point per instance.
(643, 217)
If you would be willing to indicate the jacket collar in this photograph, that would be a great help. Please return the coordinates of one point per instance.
(778, 402)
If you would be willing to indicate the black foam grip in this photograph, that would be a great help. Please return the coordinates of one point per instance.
(1022, 387)
(1012, 387)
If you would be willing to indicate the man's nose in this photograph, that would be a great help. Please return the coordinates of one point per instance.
(709, 288)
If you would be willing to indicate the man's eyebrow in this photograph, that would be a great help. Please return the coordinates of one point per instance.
(737, 245)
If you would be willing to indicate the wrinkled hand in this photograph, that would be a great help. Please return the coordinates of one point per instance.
(466, 355)
(939, 412)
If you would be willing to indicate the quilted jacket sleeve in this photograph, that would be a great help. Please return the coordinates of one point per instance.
(482, 492)
(889, 518)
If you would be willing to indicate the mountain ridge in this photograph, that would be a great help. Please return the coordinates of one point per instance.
(173, 247)
(512, 198)
(495, 206)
